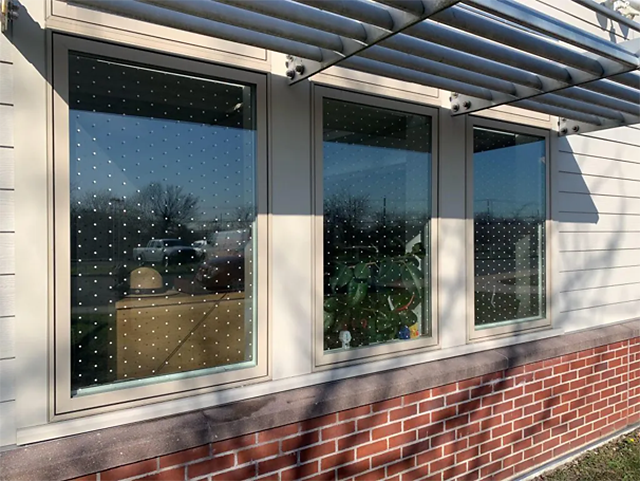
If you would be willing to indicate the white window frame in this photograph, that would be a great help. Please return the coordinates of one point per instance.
(518, 326)
(138, 392)
(324, 359)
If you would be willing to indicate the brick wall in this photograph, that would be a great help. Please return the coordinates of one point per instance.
(488, 427)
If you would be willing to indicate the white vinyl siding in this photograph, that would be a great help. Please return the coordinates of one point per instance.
(7, 234)
(598, 212)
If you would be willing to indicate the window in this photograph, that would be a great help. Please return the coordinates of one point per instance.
(159, 180)
(376, 174)
(509, 209)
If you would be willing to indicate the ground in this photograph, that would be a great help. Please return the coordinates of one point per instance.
(618, 460)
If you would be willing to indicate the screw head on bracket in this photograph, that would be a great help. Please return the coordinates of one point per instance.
(564, 131)
(455, 107)
(291, 73)
(576, 128)
(467, 104)
(299, 69)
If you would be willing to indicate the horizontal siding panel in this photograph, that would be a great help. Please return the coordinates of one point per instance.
(609, 149)
(582, 164)
(6, 83)
(577, 261)
(6, 126)
(598, 316)
(7, 380)
(7, 337)
(8, 424)
(571, 301)
(7, 245)
(627, 135)
(589, 241)
(7, 173)
(593, 222)
(591, 184)
(577, 281)
(6, 49)
(7, 296)
(7, 221)
(603, 204)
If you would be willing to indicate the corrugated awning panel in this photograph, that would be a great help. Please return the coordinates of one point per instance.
(486, 52)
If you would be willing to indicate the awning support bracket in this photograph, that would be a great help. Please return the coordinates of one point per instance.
(403, 14)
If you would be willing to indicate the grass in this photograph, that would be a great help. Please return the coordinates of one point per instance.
(618, 460)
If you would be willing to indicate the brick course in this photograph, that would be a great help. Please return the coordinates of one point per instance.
(489, 427)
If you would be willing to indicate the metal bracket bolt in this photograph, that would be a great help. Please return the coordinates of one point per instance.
(294, 66)
(8, 13)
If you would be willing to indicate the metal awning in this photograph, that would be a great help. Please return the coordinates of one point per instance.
(486, 52)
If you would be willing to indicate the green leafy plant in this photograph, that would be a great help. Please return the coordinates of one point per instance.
(373, 297)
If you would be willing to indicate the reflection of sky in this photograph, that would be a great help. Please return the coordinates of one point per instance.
(510, 181)
(122, 154)
(399, 177)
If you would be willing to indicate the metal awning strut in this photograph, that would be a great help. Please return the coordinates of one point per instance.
(486, 52)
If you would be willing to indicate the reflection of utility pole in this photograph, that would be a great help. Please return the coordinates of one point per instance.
(384, 211)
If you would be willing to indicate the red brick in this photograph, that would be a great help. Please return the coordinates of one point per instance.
(523, 401)
(402, 439)
(354, 413)
(233, 444)
(183, 457)
(443, 439)
(500, 453)
(486, 471)
(338, 430)
(317, 451)
(88, 477)
(467, 454)
(493, 399)
(468, 430)
(278, 433)
(401, 465)
(503, 407)
(457, 469)
(337, 459)
(129, 470)
(431, 404)
(403, 412)
(387, 430)
(457, 422)
(474, 381)
(442, 390)
(319, 422)
(431, 430)
(376, 475)
(371, 449)
(457, 397)
(298, 472)
(513, 459)
(378, 419)
(258, 452)
(441, 463)
(300, 441)
(386, 405)
(240, 474)
(354, 469)
(211, 466)
(501, 430)
(416, 422)
(175, 474)
(386, 457)
(490, 446)
(512, 415)
(354, 440)
(276, 464)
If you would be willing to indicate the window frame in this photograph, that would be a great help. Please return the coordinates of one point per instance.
(327, 360)
(156, 389)
(508, 328)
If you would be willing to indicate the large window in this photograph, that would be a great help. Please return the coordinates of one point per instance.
(161, 180)
(377, 211)
(509, 217)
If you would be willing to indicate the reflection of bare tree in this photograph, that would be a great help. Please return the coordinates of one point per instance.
(168, 207)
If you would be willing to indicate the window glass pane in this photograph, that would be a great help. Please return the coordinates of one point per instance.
(377, 207)
(509, 204)
(163, 209)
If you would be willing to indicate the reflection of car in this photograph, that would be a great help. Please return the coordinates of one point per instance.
(166, 251)
(200, 247)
